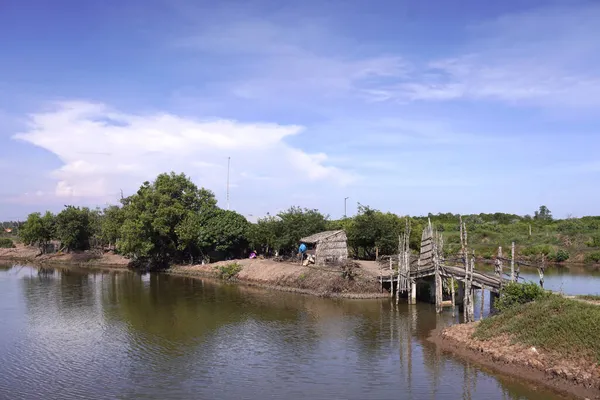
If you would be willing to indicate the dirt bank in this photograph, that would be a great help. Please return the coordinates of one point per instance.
(570, 376)
(313, 280)
(32, 255)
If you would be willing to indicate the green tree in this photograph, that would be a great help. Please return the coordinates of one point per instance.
(157, 215)
(38, 230)
(111, 220)
(373, 231)
(543, 214)
(74, 228)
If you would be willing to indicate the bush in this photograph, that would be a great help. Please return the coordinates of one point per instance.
(518, 293)
(594, 241)
(593, 257)
(6, 243)
(536, 250)
(560, 256)
(229, 271)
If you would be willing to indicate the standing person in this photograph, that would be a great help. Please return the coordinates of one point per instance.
(301, 251)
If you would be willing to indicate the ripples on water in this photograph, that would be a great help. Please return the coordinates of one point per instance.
(80, 334)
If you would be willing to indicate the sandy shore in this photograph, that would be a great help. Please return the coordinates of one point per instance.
(32, 255)
(570, 376)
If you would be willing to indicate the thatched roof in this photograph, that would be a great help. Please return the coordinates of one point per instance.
(319, 237)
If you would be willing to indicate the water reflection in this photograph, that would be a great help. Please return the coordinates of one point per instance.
(103, 334)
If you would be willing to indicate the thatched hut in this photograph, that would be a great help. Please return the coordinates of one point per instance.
(329, 246)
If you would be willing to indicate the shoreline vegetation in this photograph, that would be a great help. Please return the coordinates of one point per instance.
(552, 340)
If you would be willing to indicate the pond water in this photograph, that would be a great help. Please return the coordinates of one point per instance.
(71, 333)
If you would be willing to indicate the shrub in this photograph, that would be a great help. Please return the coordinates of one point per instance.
(593, 257)
(6, 243)
(594, 241)
(536, 250)
(229, 271)
(518, 293)
(560, 256)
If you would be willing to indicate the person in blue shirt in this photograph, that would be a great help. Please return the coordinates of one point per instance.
(301, 251)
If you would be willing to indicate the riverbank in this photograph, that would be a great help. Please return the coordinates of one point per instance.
(292, 277)
(551, 342)
(268, 274)
(28, 254)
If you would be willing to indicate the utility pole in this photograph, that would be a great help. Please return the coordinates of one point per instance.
(228, 163)
(345, 199)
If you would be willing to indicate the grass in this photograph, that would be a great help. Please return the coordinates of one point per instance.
(554, 323)
(229, 271)
(6, 243)
(592, 297)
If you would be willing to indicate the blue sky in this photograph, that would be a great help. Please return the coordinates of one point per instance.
(412, 107)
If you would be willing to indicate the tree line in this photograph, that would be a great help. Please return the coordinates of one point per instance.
(171, 220)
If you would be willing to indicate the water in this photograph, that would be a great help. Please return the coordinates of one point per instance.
(71, 334)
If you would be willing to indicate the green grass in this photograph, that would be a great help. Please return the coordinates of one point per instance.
(229, 271)
(554, 323)
(6, 243)
(592, 297)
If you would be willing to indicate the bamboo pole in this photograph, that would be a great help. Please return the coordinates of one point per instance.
(512, 263)
(482, 303)
(453, 297)
(391, 278)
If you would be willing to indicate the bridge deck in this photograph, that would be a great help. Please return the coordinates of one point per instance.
(480, 280)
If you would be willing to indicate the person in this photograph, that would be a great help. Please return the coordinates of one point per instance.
(301, 251)
(253, 254)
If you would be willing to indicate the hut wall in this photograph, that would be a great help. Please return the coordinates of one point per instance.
(333, 248)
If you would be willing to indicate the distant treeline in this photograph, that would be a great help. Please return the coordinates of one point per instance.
(171, 220)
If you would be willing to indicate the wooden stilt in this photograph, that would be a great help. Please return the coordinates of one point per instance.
(413, 292)
(391, 278)
(482, 303)
(453, 297)
(512, 263)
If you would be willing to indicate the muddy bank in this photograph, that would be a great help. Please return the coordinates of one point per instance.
(27, 254)
(313, 280)
(571, 376)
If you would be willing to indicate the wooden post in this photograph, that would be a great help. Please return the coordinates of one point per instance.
(482, 303)
(391, 278)
(529, 229)
(376, 253)
(453, 298)
(512, 263)
(413, 292)
(438, 276)
(541, 270)
(499, 263)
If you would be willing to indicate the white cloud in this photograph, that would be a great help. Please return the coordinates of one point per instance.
(104, 150)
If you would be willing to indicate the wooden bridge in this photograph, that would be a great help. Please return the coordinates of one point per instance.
(431, 271)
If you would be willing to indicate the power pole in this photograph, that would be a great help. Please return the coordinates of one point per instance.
(228, 164)
(345, 199)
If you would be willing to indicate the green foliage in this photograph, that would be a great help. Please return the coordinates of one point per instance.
(594, 241)
(559, 256)
(543, 214)
(111, 220)
(283, 232)
(371, 229)
(554, 323)
(6, 243)
(536, 250)
(518, 293)
(590, 297)
(159, 220)
(74, 228)
(229, 271)
(593, 257)
(38, 230)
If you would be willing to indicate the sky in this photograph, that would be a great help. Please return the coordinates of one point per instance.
(409, 106)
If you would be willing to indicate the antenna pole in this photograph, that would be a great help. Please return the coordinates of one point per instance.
(228, 163)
